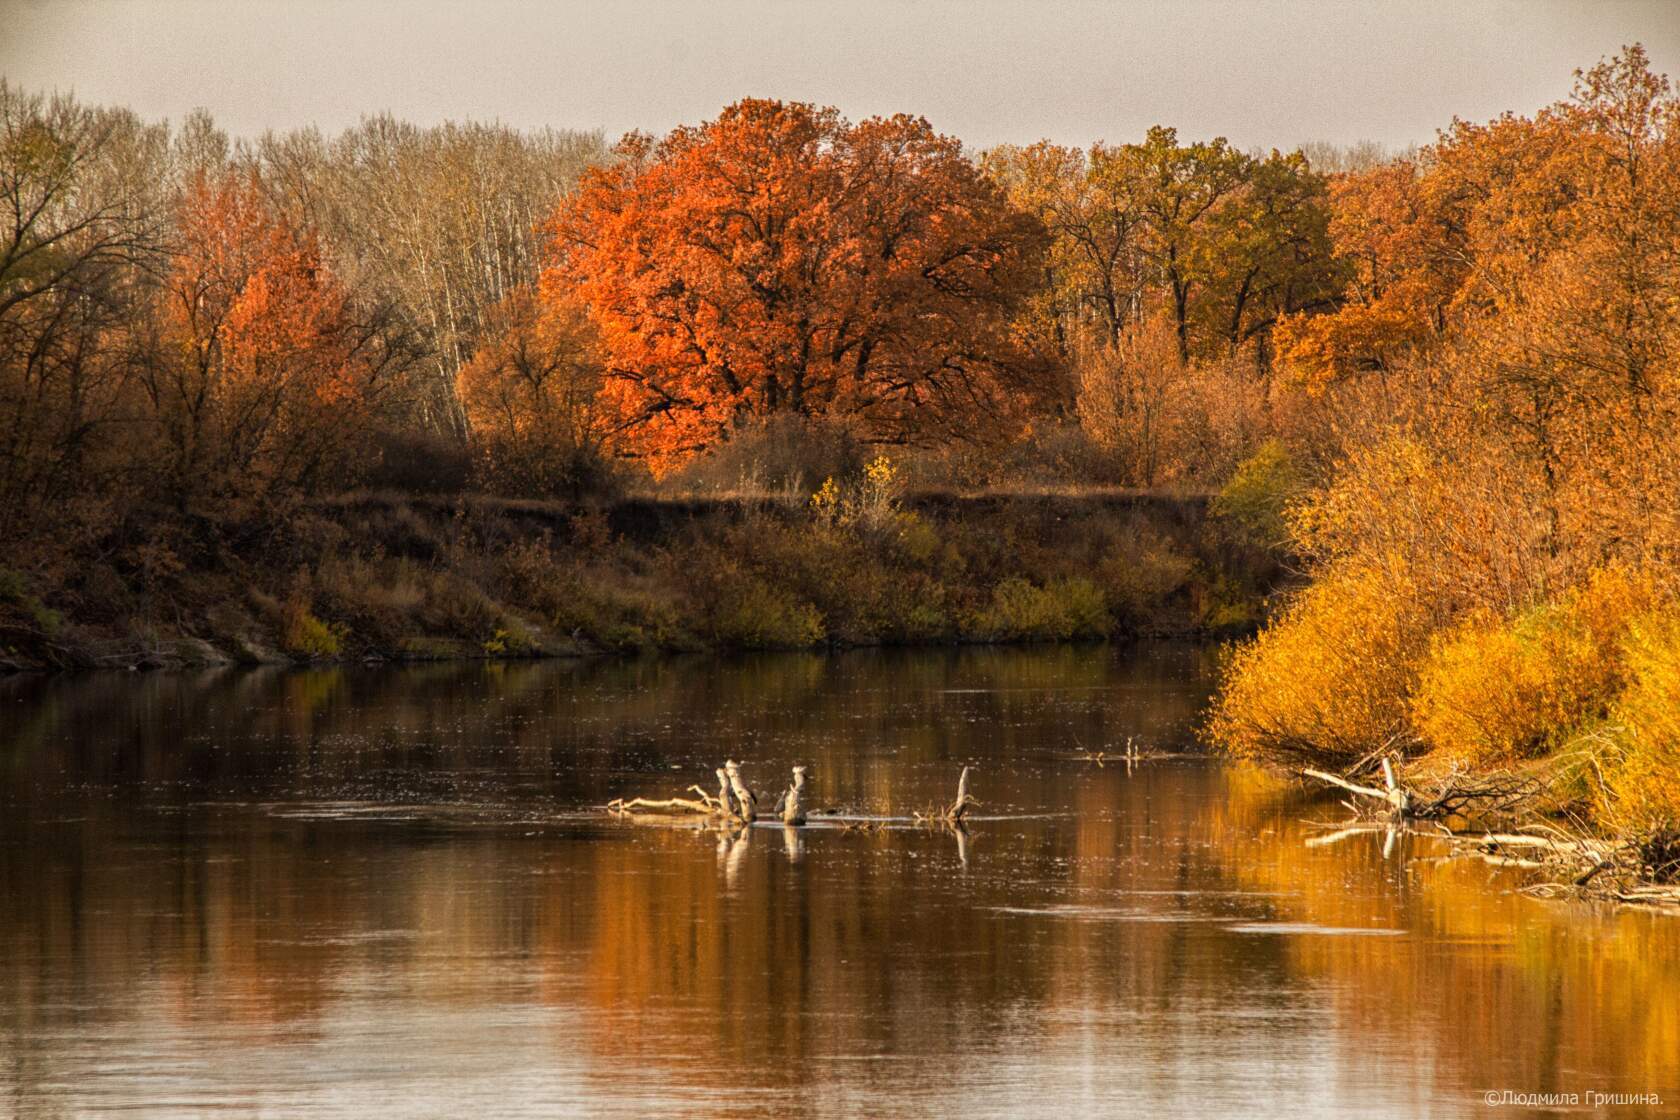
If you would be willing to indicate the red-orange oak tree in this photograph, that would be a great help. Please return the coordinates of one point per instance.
(782, 260)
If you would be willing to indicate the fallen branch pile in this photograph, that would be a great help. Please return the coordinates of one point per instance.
(1460, 795)
(736, 803)
(734, 800)
(1645, 870)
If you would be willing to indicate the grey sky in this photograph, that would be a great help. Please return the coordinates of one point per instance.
(1262, 72)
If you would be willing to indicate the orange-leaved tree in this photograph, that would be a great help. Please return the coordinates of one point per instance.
(1516, 295)
(782, 260)
(260, 373)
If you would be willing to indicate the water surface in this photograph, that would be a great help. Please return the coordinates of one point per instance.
(383, 891)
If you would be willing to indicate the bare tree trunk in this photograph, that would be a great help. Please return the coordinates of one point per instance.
(955, 811)
(791, 806)
(746, 803)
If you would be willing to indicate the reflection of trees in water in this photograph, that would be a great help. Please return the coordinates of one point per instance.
(650, 939)
(659, 941)
(1559, 987)
(269, 914)
(407, 732)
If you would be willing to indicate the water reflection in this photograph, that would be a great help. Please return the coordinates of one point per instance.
(360, 891)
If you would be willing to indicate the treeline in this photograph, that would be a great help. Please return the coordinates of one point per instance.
(1493, 541)
(220, 328)
(1442, 381)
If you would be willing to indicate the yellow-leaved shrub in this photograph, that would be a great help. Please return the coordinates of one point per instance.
(1496, 690)
(1642, 772)
(1329, 678)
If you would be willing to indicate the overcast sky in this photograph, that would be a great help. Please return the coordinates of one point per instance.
(1261, 72)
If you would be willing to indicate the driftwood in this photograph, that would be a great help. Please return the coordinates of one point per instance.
(1393, 795)
(726, 799)
(1572, 865)
(790, 807)
(707, 803)
(1585, 867)
(1131, 754)
(746, 801)
(1458, 795)
(955, 810)
(735, 802)
(953, 813)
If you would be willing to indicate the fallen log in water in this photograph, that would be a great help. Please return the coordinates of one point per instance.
(669, 804)
(1499, 796)
(707, 803)
(735, 801)
(1393, 795)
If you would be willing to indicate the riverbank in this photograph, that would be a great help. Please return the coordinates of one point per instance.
(399, 577)
(1557, 723)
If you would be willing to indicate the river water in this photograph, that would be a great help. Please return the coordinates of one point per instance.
(388, 892)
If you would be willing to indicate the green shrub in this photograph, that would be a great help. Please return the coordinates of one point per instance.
(14, 591)
(1140, 574)
(1062, 609)
(1228, 607)
(755, 615)
(511, 640)
(619, 612)
(1253, 501)
(917, 541)
(304, 635)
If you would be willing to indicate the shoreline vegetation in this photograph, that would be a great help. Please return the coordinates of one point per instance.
(785, 380)
(392, 577)
(1493, 572)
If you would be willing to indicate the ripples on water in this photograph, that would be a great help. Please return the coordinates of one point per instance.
(360, 892)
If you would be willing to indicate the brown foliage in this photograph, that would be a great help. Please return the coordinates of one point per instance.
(529, 398)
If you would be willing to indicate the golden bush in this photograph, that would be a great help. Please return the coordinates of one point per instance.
(1642, 771)
(1330, 678)
(1494, 690)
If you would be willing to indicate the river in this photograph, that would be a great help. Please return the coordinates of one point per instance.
(387, 891)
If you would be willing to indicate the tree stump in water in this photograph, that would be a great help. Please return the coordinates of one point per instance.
(746, 802)
(790, 807)
(726, 799)
(954, 812)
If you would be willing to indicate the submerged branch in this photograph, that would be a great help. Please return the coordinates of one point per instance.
(1461, 795)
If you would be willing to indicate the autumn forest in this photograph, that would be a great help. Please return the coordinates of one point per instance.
(1403, 423)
